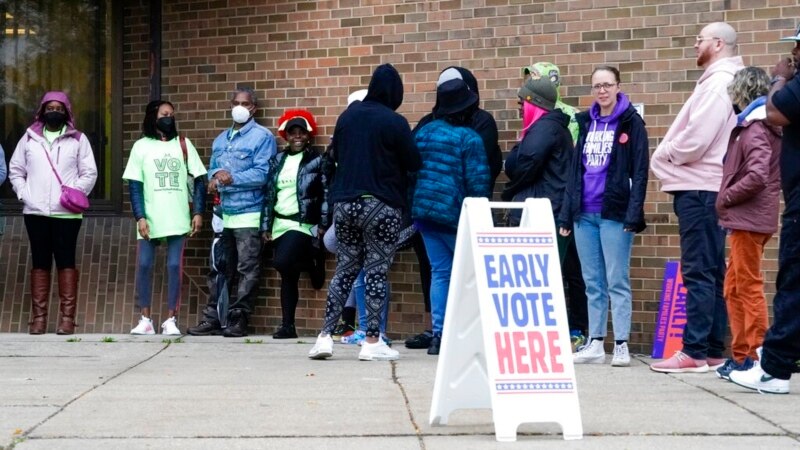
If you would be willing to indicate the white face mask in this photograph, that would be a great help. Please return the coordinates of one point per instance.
(240, 114)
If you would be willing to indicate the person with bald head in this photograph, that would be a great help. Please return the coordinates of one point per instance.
(688, 161)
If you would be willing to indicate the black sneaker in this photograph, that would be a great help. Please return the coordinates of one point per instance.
(730, 365)
(285, 332)
(436, 342)
(420, 341)
(205, 328)
(237, 324)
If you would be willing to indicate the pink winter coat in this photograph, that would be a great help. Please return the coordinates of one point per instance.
(749, 196)
(689, 157)
(30, 173)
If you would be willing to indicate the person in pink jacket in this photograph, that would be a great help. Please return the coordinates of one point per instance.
(52, 229)
(747, 206)
(688, 161)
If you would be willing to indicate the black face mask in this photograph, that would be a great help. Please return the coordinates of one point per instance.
(736, 109)
(54, 119)
(167, 126)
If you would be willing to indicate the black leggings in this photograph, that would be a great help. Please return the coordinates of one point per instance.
(293, 254)
(49, 238)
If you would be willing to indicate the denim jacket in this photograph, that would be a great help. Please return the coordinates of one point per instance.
(246, 156)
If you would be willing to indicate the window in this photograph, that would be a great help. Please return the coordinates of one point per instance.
(71, 46)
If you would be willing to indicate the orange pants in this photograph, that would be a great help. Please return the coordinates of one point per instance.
(744, 293)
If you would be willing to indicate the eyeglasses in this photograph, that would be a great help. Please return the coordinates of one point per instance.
(603, 86)
(700, 39)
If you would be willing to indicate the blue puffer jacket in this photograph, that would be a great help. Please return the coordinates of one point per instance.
(454, 167)
(246, 156)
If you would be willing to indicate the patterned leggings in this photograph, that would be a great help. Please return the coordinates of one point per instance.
(367, 231)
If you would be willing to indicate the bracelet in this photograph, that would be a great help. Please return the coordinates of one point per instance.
(775, 79)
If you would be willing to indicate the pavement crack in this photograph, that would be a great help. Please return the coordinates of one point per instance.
(417, 431)
(26, 434)
(786, 432)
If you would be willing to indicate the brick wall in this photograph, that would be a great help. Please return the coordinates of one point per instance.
(312, 54)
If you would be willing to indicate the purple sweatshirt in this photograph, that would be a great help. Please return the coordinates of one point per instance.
(597, 153)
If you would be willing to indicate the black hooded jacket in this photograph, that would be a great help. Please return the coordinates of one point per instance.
(538, 167)
(482, 122)
(372, 145)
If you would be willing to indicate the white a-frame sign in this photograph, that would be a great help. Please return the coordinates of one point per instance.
(506, 341)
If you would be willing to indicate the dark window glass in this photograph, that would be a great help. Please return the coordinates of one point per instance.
(58, 45)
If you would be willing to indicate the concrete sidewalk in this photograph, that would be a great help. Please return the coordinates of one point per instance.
(213, 392)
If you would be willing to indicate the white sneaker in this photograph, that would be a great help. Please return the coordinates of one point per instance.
(170, 327)
(323, 348)
(760, 381)
(621, 356)
(594, 353)
(145, 327)
(378, 351)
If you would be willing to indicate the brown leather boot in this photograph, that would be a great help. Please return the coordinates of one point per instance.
(68, 296)
(40, 297)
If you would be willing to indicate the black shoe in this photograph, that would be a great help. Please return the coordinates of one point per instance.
(285, 332)
(436, 342)
(205, 328)
(420, 341)
(237, 324)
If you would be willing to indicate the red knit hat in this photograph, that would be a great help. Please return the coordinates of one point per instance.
(299, 117)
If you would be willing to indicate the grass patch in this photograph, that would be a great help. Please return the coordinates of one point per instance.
(108, 339)
(74, 339)
(253, 341)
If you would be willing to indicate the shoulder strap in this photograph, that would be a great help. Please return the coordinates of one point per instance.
(55, 172)
(182, 140)
(183, 147)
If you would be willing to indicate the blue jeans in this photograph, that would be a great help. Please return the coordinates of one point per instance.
(781, 351)
(144, 270)
(604, 249)
(441, 247)
(703, 270)
(359, 292)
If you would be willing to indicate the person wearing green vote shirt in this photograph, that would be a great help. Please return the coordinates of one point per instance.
(161, 164)
(239, 171)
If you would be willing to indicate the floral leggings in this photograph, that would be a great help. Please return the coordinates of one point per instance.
(367, 231)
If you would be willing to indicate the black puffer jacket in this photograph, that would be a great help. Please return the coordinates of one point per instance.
(626, 179)
(312, 190)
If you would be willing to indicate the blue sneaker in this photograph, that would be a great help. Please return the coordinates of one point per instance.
(577, 339)
(730, 365)
(354, 339)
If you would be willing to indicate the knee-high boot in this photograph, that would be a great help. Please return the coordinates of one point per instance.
(40, 297)
(68, 296)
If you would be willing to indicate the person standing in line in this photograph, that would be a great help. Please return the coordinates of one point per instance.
(454, 167)
(373, 153)
(52, 152)
(688, 161)
(160, 165)
(538, 165)
(575, 289)
(295, 212)
(747, 206)
(484, 124)
(604, 202)
(780, 354)
(238, 171)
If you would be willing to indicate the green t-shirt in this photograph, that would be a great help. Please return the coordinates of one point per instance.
(244, 220)
(160, 167)
(286, 201)
(51, 136)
